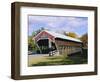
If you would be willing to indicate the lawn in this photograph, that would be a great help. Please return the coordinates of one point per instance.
(56, 60)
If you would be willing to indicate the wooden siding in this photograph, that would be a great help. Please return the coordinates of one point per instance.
(68, 47)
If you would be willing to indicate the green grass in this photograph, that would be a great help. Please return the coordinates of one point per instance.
(58, 60)
(62, 61)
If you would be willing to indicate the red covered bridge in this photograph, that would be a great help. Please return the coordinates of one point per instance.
(52, 42)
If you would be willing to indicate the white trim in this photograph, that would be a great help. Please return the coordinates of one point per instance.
(45, 38)
(41, 39)
(38, 47)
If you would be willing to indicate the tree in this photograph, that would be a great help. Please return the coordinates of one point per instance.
(33, 33)
(31, 44)
(84, 39)
(39, 30)
(71, 34)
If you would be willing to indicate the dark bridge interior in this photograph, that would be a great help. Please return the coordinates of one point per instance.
(45, 46)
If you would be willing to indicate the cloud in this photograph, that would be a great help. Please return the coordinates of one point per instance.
(59, 23)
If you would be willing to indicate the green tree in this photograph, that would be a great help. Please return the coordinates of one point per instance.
(31, 44)
(39, 30)
(33, 33)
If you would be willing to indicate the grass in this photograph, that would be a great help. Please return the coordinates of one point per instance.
(57, 60)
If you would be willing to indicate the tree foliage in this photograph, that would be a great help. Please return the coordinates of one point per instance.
(31, 44)
(39, 30)
(84, 39)
(71, 34)
(33, 34)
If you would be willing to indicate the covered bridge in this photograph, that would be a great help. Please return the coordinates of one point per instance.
(54, 43)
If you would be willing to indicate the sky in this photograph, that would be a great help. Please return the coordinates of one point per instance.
(78, 25)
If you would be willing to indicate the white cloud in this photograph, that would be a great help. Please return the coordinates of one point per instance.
(71, 24)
